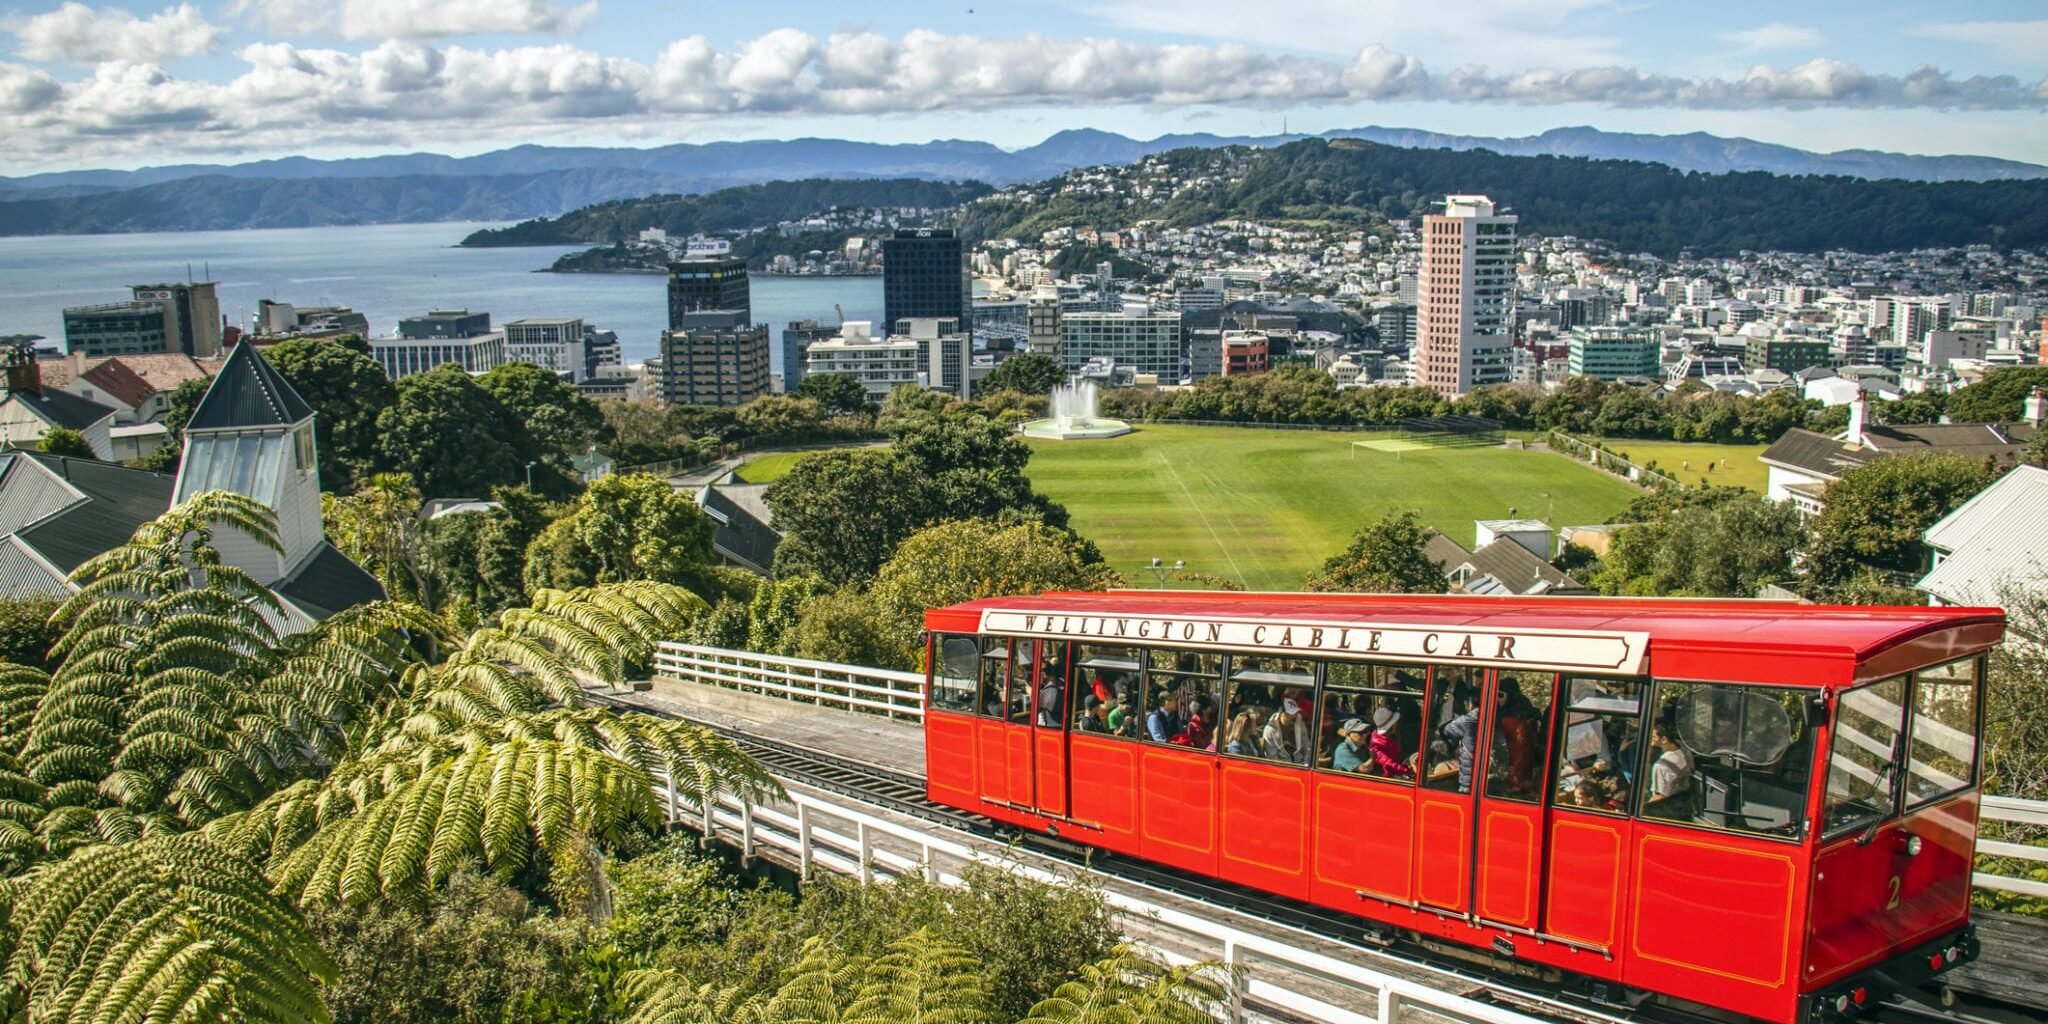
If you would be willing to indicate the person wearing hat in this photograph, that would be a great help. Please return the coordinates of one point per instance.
(1386, 746)
(1354, 751)
(1286, 736)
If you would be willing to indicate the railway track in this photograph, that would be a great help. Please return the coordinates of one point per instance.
(904, 793)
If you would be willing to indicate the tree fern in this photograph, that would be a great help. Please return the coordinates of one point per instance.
(921, 980)
(169, 930)
(1125, 988)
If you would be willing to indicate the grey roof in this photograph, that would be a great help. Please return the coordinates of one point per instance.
(743, 536)
(2000, 440)
(248, 392)
(117, 500)
(1524, 573)
(1993, 542)
(1816, 453)
(63, 408)
(327, 583)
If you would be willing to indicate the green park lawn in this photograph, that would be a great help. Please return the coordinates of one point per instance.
(1734, 465)
(1265, 506)
(763, 469)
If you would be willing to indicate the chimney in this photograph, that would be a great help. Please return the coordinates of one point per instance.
(23, 375)
(2034, 409)
(77, 363)
(1859, 412)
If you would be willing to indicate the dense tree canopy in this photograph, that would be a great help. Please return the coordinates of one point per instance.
(843, 512)
(1700, 542)
(964, 559)
(1868, 536)
(1998, 397)
(1383, 558)
(623, 527)
(561, 420)
(453, 436)
(839, 394)
(1033, 373)
(348, 392)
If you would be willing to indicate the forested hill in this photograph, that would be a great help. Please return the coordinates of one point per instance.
(1639, 207)
(733, 209)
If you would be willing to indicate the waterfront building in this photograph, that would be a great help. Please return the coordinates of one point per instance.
(924, 274)
(1043, 314)
(444, 323)
(552, 343)
(798, 335)
(708, 284)
(1466, 289)
(944, 352)
(192, 322)
(879, 364)
(116, 329)
(714, 357)
(402, 356)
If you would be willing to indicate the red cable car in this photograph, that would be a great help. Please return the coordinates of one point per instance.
(1760, 807)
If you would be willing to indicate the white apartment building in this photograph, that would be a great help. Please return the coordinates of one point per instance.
(553, 343)
(880, 364)
(1137, 337)
(1465, 292)
(404, 356)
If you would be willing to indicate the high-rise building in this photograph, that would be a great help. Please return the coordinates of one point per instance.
(944, 352)
(117, 329)
(798, 335)
(1466, 288)
(192, 323)
(553, 343)
(924, 274)
(707, 285)
(1244, 353)
(1044, 322)
(714, 357)
(1136, 336)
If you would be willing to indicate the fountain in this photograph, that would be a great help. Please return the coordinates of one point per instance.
(1073, 415)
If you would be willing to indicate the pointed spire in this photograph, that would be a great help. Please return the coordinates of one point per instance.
(248, 392)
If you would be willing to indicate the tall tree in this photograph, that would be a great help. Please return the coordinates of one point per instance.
(1702, 542)
(348, 392)
(966, 559)
(840, 394)
(843, 512)
(378, 527)
(1999, 397)
(1386, 557)
(1875, 516)
(454, 437)
(1033, 373)
(561, 419)
(628, 526)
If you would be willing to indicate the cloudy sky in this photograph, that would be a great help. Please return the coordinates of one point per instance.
(129, 84)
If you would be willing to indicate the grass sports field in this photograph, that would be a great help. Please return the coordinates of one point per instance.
(1741, 469)
(1265, 506)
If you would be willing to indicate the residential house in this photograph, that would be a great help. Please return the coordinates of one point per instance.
(1803, 462)
(1992, 549)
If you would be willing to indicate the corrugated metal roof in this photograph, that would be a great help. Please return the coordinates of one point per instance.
(248, 392)
(62, 408)
(1995, 542)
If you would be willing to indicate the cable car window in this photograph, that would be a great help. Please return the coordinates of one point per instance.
(1107, 680)
(1732, 757)
(1599, 744)
(1944, 757)
(1453, 727)
(995, 671)
(955, 672)
(1371, 721)
(1052, 685)
(1272, 709)
(1180, 705)
(1023, 658)
(1521, 727)
(1869, 722)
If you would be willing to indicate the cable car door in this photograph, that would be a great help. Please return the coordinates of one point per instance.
(1002, 738)
(1508, 848)
(1049, 729)
(1445, 805)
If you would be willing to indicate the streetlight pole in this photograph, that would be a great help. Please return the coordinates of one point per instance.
(1160, 569)
(529, 476)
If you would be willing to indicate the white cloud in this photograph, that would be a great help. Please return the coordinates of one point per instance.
(2025, 41)
(411, 92)
(1494, 32)
(414, 19)
(1775, 36)
(75, 32)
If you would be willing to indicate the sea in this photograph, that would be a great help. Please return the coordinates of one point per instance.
(385, 272)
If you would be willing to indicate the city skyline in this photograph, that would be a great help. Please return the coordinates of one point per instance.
(123, 85)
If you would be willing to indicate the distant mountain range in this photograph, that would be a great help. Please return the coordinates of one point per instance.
(539, 181)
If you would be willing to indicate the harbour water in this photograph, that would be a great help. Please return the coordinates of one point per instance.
(385, 271)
